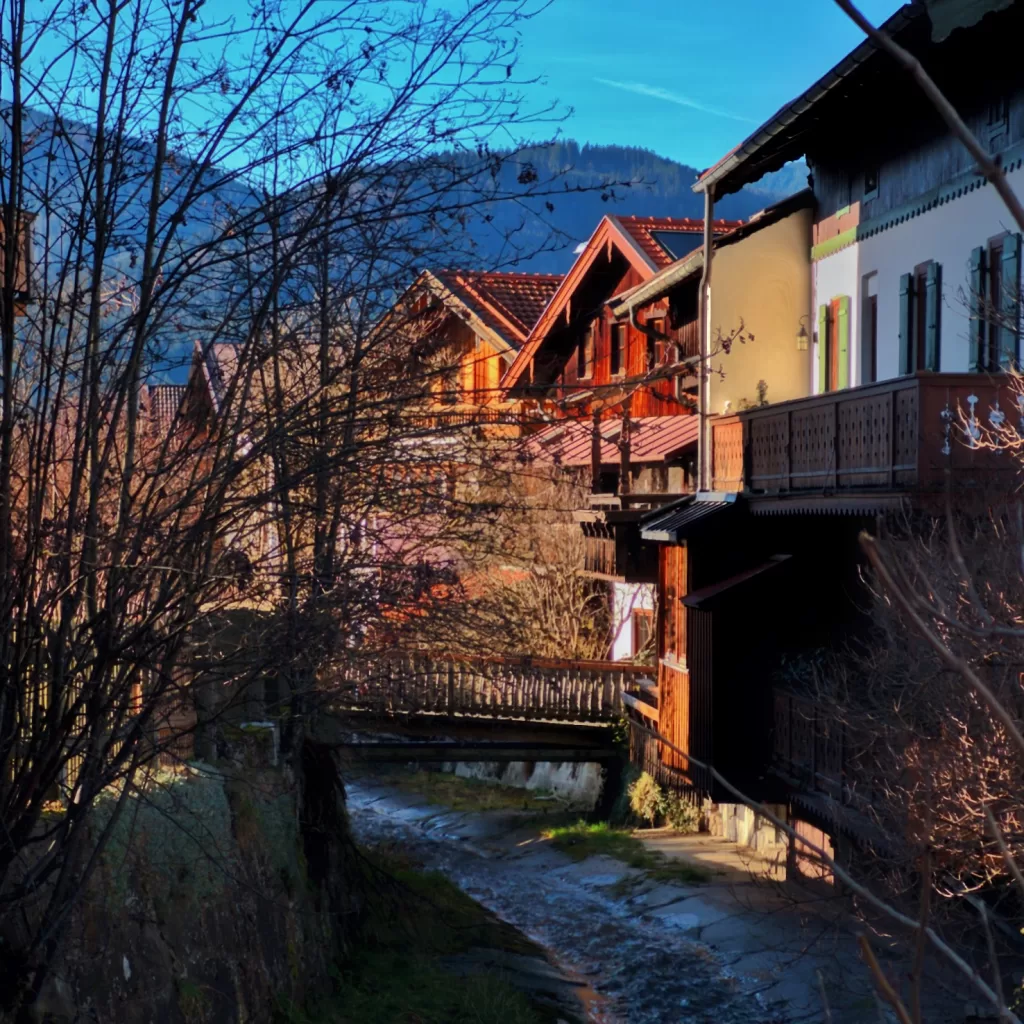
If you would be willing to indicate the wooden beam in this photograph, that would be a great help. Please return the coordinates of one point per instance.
(641, 707)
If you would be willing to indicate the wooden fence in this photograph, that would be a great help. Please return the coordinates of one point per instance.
(513, 688)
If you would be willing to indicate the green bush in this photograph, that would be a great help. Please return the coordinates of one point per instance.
(679, 814)
(645, 798)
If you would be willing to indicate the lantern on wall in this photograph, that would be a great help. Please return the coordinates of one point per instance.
(802, 337)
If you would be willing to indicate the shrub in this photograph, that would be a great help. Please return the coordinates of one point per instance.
(645, 798)
(679, 814)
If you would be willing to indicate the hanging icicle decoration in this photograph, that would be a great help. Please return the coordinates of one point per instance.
(973, 430)
(947, 425)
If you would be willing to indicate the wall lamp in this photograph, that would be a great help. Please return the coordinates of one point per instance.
(802, 336)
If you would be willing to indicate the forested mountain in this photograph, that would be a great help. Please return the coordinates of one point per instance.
(641, 183)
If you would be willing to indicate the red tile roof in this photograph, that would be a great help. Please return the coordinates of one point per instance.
(646, 242)
(653, 439)
(164, 402)
(653, 235)
(508, 303)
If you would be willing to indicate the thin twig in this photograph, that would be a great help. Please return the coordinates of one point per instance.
(839, 872)
(1011, 862)
(922, 916)
(958, 665)
(883, 984)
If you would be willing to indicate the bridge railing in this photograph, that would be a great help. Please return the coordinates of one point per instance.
(515, 688)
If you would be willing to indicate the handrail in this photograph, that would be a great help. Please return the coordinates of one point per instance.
(493, 687)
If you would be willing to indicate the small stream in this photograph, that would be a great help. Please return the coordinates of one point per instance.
(631, 966)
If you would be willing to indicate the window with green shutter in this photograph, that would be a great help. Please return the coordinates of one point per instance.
(842, 371)
(1009, 307)
(994, 301)
(822, 349)
(933, 316)
(906, 323)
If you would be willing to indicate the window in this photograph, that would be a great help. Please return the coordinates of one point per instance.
(643, 631)
(869, 329)
(585, 355)
(994, 313)
(998, 123)
(450, 384)
(616, 348)
(920, 318)
(834, 345)
(871, 183)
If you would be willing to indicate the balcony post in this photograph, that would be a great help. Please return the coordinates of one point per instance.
(595, 454)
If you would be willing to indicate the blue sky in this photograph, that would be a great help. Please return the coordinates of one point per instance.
(687, 79)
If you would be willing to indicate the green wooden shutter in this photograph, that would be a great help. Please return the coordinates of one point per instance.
(843, 330)
(906, 323)
(822, 349)
(933, 301)
(975, 327)
(1010, 301)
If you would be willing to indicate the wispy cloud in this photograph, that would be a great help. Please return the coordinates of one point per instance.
(657, 93)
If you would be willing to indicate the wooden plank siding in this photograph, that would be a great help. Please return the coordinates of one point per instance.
(655, 400)
(673, 674)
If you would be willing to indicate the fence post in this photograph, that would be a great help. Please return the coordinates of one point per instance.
(451, 687)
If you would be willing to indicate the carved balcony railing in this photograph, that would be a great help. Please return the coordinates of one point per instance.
(897, 436)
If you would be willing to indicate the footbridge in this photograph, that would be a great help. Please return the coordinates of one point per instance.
(429, 707)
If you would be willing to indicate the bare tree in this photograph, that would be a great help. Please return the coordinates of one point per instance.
(242, 197)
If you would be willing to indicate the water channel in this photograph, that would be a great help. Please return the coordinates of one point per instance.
(631, 960)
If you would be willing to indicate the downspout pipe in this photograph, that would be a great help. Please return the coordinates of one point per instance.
(704, 448)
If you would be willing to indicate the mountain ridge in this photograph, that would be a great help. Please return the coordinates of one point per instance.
(658, 187)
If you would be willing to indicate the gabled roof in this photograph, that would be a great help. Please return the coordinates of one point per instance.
(499, 306)
(652, 439)
(508, 303)
(658, 286)
(647, 243)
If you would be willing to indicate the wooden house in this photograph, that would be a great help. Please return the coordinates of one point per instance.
(913, 284)
(470, 326)
(620, 413)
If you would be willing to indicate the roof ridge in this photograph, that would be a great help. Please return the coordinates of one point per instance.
(501, 273)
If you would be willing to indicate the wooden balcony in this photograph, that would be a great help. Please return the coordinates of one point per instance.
(613, 548)
(614, 551)
(897, 436)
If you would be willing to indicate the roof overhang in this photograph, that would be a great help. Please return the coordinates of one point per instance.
(677, 522)
(783, 137)
(607, 233)
(658, 286)
(506, 349)
(706, 598)
(690, 266)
